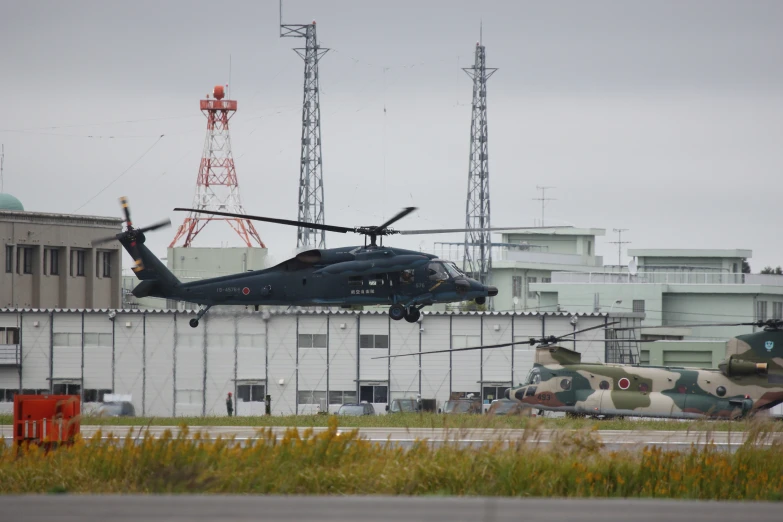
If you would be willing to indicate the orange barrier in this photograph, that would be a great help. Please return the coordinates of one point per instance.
(46, 420)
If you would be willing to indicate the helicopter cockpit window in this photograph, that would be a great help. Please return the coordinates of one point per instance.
(406, 276)
(437, 272)
(534, 377)
(452, 269)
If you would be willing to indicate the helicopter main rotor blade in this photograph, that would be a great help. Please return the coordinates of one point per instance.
(316, 226)
(401, 214)
(106, 239)
(454, 230)
(155, 226)
(449, 350)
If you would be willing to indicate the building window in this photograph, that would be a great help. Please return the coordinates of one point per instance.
(93, 395)
(66, 389)
(531, 294)
(638, 305)
(27, 260)
(77, 262)
(373, 341)
(516, 286)
(342, 397)
(777, 310)
(546, 279)
(589, 247)
(374, 393)
(107, 264)
(251, 392)
(97, 339)
(761, 310)
(9, 259)
(9, 335)
(67, 339)
(54, 261)
(312, 397)
(312, 340)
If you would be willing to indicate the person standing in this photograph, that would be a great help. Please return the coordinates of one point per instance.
(229, 405)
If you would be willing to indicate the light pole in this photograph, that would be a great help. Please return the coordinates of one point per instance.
(619, 301)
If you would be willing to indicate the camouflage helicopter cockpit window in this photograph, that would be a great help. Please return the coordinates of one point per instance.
(437, 272)
(534, 377)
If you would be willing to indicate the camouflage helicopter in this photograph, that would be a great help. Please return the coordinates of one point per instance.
(360, 275)
(748, 380)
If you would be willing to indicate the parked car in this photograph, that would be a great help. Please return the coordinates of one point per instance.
(357, 410)
(403, 406)
(455, 406)
(116, 409)
(509, 407)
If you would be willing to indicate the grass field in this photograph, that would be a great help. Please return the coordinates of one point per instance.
(342, 463)
(428, 420)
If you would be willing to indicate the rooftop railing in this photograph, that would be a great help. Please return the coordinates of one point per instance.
(668, 278)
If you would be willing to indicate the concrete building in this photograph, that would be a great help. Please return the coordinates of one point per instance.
(306, 361)
(526, 257)
(673, 288)
(49, 259)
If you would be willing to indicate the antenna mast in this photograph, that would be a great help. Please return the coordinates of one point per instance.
(311, 186)
(2, 160)
(619, 244)
(478, 246)
(217, 172)
(543, 199)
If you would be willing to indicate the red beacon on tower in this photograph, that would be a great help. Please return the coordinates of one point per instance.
(216, 185)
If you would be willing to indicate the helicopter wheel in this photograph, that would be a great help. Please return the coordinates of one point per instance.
(412, 314)
(397, 312)
(481, 300)
(193, 323)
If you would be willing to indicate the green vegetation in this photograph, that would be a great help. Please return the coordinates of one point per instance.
(332, 463)
(427, 420)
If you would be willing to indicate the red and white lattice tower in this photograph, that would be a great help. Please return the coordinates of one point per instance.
(216, 187)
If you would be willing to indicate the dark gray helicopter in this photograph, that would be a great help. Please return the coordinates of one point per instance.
(361, 275)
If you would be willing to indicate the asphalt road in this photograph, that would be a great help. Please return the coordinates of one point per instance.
(616, 439)
(153, 508)
(613, 439)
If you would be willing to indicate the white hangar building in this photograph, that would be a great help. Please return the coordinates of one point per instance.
(307, 361)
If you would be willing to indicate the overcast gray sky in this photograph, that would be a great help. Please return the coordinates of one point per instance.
(665, 118)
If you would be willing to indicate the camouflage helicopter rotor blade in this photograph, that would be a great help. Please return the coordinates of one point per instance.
(769, 322)
(591, 328)
(544, 340)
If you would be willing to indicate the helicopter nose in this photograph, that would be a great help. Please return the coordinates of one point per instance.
(492, 291)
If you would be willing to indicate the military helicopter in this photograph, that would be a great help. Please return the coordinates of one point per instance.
(372, 274)
(749, 380)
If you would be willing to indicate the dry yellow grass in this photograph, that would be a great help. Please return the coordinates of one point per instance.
(342, 463)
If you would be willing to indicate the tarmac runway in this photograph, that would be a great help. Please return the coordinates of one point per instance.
(612, 439)
(154, 508)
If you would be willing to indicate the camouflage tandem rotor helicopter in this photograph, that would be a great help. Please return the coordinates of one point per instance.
(372, 274)
(748, 380)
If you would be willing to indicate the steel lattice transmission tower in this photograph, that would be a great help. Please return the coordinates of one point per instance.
(216, 185)
(311, 181)
(478, 246)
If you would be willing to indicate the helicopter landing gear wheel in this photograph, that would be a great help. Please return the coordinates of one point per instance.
(412, 315)
(396, 312)
(193, 323)
(481, 300)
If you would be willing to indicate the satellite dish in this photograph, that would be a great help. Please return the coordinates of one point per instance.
(632, 268)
